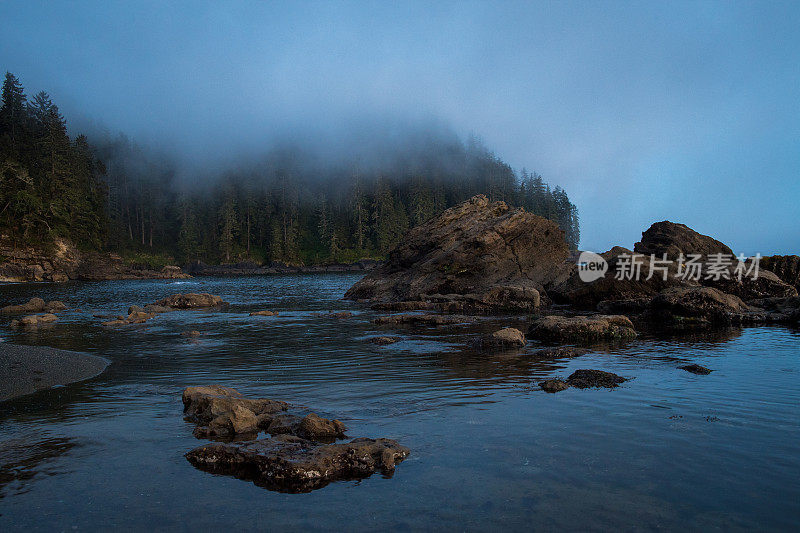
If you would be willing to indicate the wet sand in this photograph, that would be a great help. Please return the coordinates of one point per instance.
(27, 369)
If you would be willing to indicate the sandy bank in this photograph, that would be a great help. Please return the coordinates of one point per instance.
(27, 369)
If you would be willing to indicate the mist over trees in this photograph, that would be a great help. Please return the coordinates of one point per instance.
(292, 205)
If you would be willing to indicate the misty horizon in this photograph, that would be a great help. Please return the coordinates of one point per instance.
(642, 113)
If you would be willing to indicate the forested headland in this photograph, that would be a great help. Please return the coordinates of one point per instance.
(288, 206)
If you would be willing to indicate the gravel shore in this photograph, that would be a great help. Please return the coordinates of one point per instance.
(27, 369)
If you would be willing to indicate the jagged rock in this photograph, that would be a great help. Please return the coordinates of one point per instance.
(191, 301)
(311, 427)
(477, 254)
(585, 378)
(785, 267)
(422, 320)
(503, 339)
(222, 411)
(559, 352)
(696, 369)
(291, 464)
(553, 385)
(384, 341)
(582, 328)
(264, 313)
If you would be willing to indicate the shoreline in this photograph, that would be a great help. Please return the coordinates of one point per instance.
(28, 369)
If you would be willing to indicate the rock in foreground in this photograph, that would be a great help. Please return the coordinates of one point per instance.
(583, 328)
(292, 464)
(696, 369)
(224, 412)
(477, 255)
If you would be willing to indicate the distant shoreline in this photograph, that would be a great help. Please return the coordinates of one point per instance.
(28, 369)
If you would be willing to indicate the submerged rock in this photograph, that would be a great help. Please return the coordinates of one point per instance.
(264, 313)
(479, 255)
(582, 328)
(553, 385)
(191, 300)
(224, 412)
(503, 339)
(384, 341)
(696, 369)
(559, 352)
(586, 378)
(291, 464)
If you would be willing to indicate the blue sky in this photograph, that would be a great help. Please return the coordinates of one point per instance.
(643, 111)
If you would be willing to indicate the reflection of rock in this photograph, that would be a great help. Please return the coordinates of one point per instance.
(559, 352)
(292, 464)
(696, 369)
(585, 378)
(222, 411)
(582, 328)
(553, 385)
(478, 255)
(422, 320)
(191, 301)
(384, 341)
(22, 459)
(503, 339)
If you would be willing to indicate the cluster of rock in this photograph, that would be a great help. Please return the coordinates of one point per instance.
(34, 305)
(301, 455)
(62, 261)
(584, 379)
(483, 256)
(139, 315)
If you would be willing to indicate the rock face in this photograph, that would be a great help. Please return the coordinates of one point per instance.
(582, 328)
(477, 255)
(224, 412)
(291, 464)
(786, 267)
(503, 339)
(584, 379)
(191, 300)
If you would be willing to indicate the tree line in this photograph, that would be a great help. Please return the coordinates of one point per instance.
(285, 208)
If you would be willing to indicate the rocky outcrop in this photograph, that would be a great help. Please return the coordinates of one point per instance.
(582, 328)
(191, 300)
(585, 378)
(224, 412)
(503, 339)
(785, 267)
(675, 239)
(478, 255)
(34, 305)
(291, 464)
(61, 261)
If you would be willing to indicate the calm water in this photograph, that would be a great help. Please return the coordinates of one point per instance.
(666, 450)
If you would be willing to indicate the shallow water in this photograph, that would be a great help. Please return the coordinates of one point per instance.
(666, 450)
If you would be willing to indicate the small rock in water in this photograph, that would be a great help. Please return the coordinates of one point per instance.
(583, 328)
(311, 427)
(191, 300)
(585, 378)
(264, 313)
(384, 341)
(696, 369)
(553, 385)
(559, 351)
(224, 412)
(503, 339)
